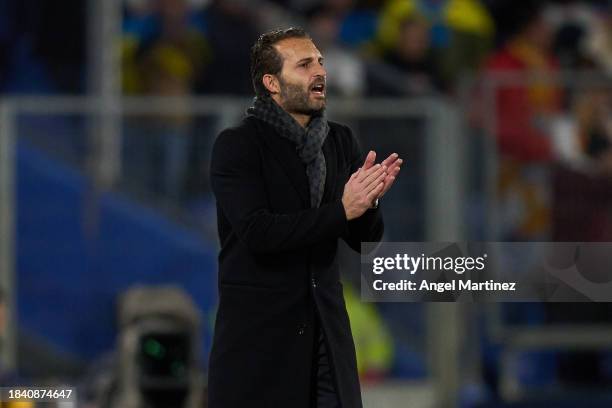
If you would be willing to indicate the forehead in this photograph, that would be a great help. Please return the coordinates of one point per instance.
(294, 49)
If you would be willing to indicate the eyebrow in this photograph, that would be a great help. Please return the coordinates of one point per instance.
(308, 59)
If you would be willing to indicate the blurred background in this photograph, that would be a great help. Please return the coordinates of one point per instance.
(502, 111)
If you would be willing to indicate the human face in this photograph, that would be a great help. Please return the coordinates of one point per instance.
(414, 40)
(541, 33)
(302, 78)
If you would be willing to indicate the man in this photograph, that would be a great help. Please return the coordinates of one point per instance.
(288, 185)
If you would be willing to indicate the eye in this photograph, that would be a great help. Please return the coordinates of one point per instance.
(304, 64)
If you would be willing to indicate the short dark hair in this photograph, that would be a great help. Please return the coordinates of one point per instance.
(518, 19)
(265, 59)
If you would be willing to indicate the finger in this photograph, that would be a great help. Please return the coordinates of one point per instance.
(389, 161)
(380, 178)
(372, 195)
(367, 172)
(358, 174)
(355, 174)
(369, 160)
(394, 169)
(389, 180)
(371, 178)
(397, 163)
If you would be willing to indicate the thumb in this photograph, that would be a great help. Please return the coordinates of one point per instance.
(369, 160)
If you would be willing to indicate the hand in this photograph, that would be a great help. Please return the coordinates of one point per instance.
(393, 163)
(362, 189)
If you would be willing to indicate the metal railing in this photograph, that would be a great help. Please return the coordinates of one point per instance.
(513, 338)
(443, 161)
(446, 164)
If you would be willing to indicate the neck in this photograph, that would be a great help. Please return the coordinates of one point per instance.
(300, 118)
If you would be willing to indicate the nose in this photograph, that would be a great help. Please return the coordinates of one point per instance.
(320, 71)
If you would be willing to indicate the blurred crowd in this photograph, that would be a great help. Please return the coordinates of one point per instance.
(384, 48)
(392, 48)
(372, 47)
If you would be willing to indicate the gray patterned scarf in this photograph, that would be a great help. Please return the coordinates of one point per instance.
(308, 141)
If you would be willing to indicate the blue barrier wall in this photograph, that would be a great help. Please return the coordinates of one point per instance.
(71, 267)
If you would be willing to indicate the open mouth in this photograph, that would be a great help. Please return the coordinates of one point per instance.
(318, 89)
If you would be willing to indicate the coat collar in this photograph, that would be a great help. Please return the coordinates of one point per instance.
(284, 152)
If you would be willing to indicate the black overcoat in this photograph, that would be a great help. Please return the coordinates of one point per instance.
(278, 269)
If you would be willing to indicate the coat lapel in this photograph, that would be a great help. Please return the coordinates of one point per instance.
(284, 151)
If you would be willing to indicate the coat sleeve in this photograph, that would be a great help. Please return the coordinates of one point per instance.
(238, 185)
(369, 227)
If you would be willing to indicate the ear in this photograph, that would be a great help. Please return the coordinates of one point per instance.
(271, 83)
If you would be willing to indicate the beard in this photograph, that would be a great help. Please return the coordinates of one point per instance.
(296, 99)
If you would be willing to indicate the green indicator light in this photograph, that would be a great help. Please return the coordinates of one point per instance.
(154, 348)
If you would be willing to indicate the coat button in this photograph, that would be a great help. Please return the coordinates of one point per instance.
(301, 329)
(314, 282)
